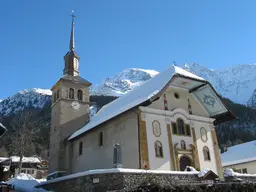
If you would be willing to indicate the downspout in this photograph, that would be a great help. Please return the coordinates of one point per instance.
(138, 120)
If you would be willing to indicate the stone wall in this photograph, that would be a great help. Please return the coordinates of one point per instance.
(133, 180)
(244, 179)
(116, 181)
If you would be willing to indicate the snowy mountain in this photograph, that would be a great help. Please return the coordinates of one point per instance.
(237, 83)
(123, 82)
(36, 98)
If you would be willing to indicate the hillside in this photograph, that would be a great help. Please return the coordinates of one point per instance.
(230, 86)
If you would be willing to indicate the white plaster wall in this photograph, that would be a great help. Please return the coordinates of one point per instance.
(122, 130)
(250, 166)
(212, 164)
(157, 163)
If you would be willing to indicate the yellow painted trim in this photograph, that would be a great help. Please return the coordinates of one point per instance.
(143, 144)
(195, 151)
(176, 157)
(171, 147)
(217, 153)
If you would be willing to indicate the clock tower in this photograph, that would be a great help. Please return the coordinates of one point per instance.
(70, 108)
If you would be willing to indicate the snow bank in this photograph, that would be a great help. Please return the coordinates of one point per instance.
(25, 183)
(191, 169)
(16, 159)
(203, 172)
(230, 172)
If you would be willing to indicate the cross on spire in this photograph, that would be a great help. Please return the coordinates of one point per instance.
(73, 15)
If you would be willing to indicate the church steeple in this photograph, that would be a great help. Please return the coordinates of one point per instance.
(71, 58)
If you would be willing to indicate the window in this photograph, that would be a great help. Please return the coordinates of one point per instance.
(58, 94)
(80, 95)
(80, 148)
(188, 130)
(30, 171)
(101, 139)
(174, 128)
(54, 98)
(180, 124)
(71, 93)
(183, 144)
(158, 149)
(23, 171)
(206, 152)
(244, 170)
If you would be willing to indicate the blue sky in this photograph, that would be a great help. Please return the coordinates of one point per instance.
(112, 35)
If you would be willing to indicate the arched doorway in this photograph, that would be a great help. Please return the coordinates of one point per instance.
(184, 162)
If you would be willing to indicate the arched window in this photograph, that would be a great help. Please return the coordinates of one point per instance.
(71, 93)
(80, 148)
(158, 149)
(80, 95)
(206, 152)
(181, 127)
(183, 144)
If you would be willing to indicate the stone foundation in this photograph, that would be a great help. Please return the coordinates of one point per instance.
(133, 179)
(117, 179)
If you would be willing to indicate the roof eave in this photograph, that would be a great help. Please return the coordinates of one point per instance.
(220, 118)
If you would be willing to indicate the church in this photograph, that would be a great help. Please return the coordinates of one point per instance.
(167, 123)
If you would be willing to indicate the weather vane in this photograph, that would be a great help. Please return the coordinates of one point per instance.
(73, 15)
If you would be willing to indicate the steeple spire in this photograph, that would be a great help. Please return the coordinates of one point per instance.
(71, 58)
(72, 37)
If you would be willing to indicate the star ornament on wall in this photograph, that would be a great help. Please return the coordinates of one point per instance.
(208, 100)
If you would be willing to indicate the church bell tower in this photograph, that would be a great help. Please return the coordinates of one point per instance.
(70, 108)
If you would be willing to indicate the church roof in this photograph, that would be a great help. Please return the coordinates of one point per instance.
(153, 88)
(241, 153)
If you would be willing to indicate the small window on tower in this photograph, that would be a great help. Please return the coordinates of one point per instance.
(101, 139)
(58, 94)
(80, 95)
(80, 148)
(54, 98)
(71, 93)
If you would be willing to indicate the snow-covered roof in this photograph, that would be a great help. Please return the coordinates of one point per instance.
(241, 153)
(147, 91)
(2, 159)
(16, 159)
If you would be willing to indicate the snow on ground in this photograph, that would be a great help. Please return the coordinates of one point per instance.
(25, 159)
(203, 172)
(230, 172)
(25, 183)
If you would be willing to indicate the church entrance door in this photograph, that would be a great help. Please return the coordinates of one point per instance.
(184, 162)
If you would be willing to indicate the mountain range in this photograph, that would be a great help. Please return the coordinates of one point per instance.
(236, 84)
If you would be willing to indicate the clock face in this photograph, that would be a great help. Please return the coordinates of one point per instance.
(156, 128)
(75, 105)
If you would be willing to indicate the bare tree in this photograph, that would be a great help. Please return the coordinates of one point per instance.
(24, 133)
